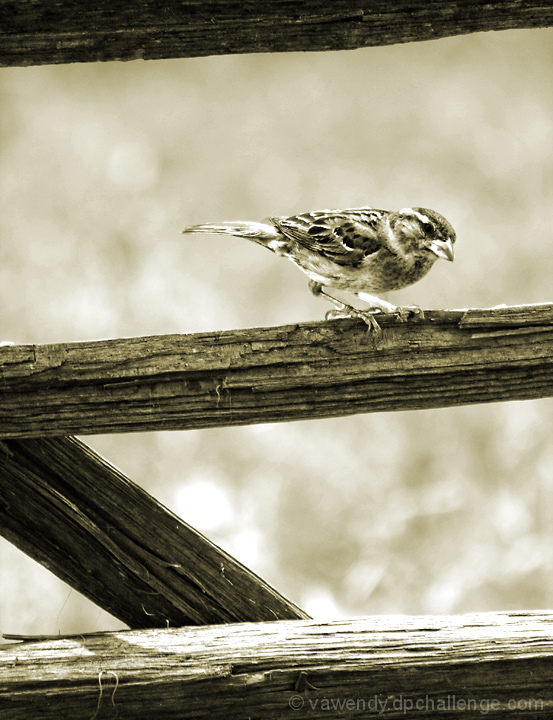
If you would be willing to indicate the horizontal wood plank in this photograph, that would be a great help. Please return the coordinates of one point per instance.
(67, 31)
(293, 372)
(466, 666)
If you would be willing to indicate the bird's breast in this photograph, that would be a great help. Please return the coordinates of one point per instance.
(377, 273)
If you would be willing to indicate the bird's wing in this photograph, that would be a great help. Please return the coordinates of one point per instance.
(344, 236)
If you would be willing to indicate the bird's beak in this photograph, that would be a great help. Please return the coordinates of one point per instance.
(442, 248)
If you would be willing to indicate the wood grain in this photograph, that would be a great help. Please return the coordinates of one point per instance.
(68, 31)
(73, 512)
(466, 666)
(293, 372)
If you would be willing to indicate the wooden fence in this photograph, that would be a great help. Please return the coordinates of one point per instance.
(69, 509)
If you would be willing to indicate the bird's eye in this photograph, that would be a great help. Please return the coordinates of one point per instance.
(425, 222)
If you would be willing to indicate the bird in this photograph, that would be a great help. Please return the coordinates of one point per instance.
(362, 251)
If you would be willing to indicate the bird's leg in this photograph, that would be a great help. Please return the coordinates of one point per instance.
(343, 310)
(317, 290)
(403, 313)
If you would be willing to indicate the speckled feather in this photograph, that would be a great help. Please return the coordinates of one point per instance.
(359, 250)
(344, 236)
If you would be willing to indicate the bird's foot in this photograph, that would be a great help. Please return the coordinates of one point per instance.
(403, 314)
(368, 316)
(376, 306)
(342, 310)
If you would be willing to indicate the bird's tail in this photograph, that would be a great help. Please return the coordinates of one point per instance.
(261, 233)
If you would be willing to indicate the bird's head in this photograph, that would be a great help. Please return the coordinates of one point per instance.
(424, 230)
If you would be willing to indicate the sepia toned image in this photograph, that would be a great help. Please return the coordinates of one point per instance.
(291, 172)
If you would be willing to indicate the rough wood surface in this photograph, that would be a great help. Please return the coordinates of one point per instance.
(293, 372)
(65, 31)
(67, 508)
(466, 666)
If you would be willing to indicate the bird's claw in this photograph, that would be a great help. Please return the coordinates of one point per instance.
(350, 312)
(336, 314)
(369, 319)
(403, 314)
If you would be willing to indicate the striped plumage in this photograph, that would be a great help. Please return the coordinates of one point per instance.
(364, 251)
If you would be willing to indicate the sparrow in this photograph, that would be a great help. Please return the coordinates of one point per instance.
(363, 251)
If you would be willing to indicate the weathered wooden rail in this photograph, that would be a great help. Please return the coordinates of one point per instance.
(34, 33)
(77, 515)
(294, 372)
(466, 666)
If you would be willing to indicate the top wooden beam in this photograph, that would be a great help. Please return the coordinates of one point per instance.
(259, 375)
(67, 31)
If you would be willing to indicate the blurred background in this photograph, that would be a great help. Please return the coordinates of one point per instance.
(102, 165)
